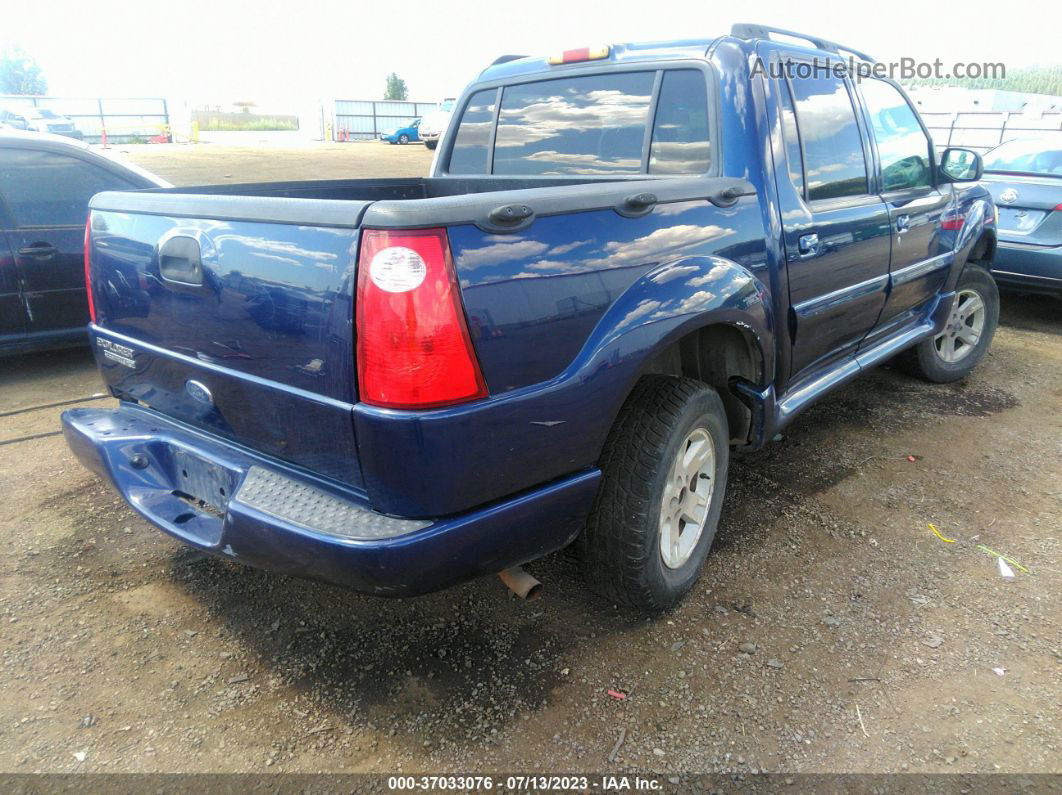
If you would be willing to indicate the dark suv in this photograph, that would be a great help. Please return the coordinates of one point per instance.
(45, 186)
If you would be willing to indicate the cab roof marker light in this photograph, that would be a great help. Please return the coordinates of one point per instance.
(578, 55)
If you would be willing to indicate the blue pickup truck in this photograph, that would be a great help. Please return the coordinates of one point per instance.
(628, 262)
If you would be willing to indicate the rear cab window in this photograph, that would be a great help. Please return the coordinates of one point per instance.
(472, 145)
(655, 121)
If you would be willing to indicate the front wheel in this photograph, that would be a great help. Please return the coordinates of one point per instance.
(958, 349)
(431, 144)
(664, 472)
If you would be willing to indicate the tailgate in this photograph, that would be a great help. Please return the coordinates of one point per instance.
(238, 321)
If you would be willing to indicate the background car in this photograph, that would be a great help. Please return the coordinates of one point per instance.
(403, 135)
(48, 121)
(434, 124)
(1025, 179)
(14, 119)
(45, 184)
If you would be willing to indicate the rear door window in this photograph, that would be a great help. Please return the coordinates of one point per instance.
(575, 125)
(834, 162)
(51, 189)
(594, 125)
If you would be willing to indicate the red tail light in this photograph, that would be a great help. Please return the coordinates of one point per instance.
(1058, 208)
(414, 350)
(88, 267)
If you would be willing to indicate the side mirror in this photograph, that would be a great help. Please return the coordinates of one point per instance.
(961, 165)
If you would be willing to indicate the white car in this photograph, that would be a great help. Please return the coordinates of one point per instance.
(434, 124)
(48, 121)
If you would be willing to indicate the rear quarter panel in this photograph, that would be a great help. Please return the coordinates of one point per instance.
(533, 299)
(565, 317)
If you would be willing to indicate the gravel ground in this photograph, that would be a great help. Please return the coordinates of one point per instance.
(832, 631)
(208, 164)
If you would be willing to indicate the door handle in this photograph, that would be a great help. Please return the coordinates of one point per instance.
(903, 223)
(41, 250)
(808, 245)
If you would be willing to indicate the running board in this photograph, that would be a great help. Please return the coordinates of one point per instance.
(770, 415)
(847, 369)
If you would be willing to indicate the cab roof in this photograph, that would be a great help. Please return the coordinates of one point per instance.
(635, 52)
(744, 34)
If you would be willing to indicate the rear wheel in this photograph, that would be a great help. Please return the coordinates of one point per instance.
(664, 475)
(967, 334)
(403, 139)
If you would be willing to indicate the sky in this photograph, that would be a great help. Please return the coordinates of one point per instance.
(282, 51)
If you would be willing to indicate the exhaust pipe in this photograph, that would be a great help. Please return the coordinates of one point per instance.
(521, 583)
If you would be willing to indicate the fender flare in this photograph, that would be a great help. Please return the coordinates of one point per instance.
(670, 302)
(978, 221)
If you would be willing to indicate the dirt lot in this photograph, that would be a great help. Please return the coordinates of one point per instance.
(876, 645)
(209, 164)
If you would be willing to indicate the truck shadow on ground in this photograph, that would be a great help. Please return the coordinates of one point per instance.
(463, 662)
(471, 658)
(454, 663)
(824, 446)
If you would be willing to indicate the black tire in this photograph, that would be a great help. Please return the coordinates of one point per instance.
(620, 548)
(431, 144)
(926, 361)
(403, 139)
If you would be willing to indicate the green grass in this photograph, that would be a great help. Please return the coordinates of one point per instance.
(234, 122)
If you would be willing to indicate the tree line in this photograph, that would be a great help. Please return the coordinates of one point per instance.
(1028, 80)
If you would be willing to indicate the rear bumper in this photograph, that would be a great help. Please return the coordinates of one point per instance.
(230, 502)
(1033, 267)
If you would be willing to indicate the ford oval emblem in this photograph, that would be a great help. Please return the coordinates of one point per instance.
(199, 392)
(1009, 196)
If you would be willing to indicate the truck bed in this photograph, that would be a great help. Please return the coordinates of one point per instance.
(262, 351)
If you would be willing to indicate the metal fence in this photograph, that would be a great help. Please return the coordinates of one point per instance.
(124, 120)
(365, 119)
(983, 130)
